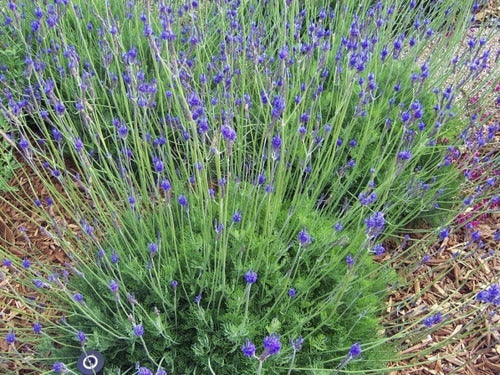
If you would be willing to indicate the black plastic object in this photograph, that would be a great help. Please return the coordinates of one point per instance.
(91, 362)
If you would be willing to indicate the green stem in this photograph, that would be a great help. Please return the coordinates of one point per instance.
(259, 370)
(292, 363)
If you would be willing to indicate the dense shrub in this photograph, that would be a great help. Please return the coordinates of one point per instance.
(236, 168)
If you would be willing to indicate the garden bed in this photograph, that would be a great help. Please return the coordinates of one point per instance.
(180, 236)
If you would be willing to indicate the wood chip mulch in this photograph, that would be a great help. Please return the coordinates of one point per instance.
(454, 274)
(24, 233)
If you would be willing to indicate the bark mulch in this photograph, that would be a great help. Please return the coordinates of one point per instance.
(437, 287)
(24, 233)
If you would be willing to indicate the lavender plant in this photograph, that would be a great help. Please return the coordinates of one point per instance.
(7, 160)
(233, 168)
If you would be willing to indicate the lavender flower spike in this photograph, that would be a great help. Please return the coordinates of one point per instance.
(248, 348)
(272, 345)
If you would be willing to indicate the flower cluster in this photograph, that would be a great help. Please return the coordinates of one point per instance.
(490, 295)
(221, 158)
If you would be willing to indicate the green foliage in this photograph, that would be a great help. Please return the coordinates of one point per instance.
(282, 179)
(334, 306)
(8, 161)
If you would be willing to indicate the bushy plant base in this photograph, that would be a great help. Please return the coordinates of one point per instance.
(190, 335)
(236, 166)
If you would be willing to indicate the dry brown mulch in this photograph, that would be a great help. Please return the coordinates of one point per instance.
(437, 287)
(23, 232)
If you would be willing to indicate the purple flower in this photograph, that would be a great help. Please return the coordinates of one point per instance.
(161, 371)
(26, 263)
(182, 200)
(174, 284)
(59, 367)
(349, 260)
(138, 330)
(219, 228)
(366, 199)
(276, 143)
(405, 116)
(131, 200)
(228, 133)
(283, 53)
(197, 299)
(404, 155)
(153, 248)
(80, 336)
(77, 297)
(158, 165)
(355, 350)
(251, 277)
(379, 249)
(263, 97)
(6, 262)
(432, 320)
(113, 286)
(338, 226)
(144, 371)
(89, 229)
(24, 144)
(165, 185)
(304, 237)
(114, 257)
(297, 343)
(38, 283)
(248, 348)
(237, 217)
(131, 299)
(10, 338)
(59, 108)
(78, 144)
(292, 292)
(278, 104)
(444, 233)
(37, 328)
(272, 344)
(375, 224)
(490, 295)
